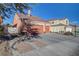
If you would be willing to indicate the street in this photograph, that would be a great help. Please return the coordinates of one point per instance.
(49, 44)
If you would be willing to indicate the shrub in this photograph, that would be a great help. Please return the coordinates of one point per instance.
(68, 33)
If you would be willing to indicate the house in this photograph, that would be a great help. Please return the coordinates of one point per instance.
(64, 21)
(41, 25)
(71, 28)
(58, 28)
(77, 29)
(59, 25)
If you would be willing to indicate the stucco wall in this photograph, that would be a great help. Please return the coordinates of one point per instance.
(17, 23)
(58, 28)
(39, 25)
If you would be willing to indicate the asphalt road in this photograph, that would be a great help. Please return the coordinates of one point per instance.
(57, 45)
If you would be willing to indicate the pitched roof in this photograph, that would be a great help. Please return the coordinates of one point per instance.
(53, 19)
(32, 18)
(59, 25)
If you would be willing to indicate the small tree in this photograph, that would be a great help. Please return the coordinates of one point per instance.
(8, 9)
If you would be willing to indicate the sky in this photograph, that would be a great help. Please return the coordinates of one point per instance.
(48, 11)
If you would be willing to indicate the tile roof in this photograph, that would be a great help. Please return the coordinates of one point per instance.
(53, 19)
(59, 24)
(32, 18)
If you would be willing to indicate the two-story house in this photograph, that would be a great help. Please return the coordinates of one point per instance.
(59, 25)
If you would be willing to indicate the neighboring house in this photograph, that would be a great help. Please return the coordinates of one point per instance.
(59, 25)
(70, 28)
(64, 21)
(77, 29)
(36, 22)
(58, 28)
